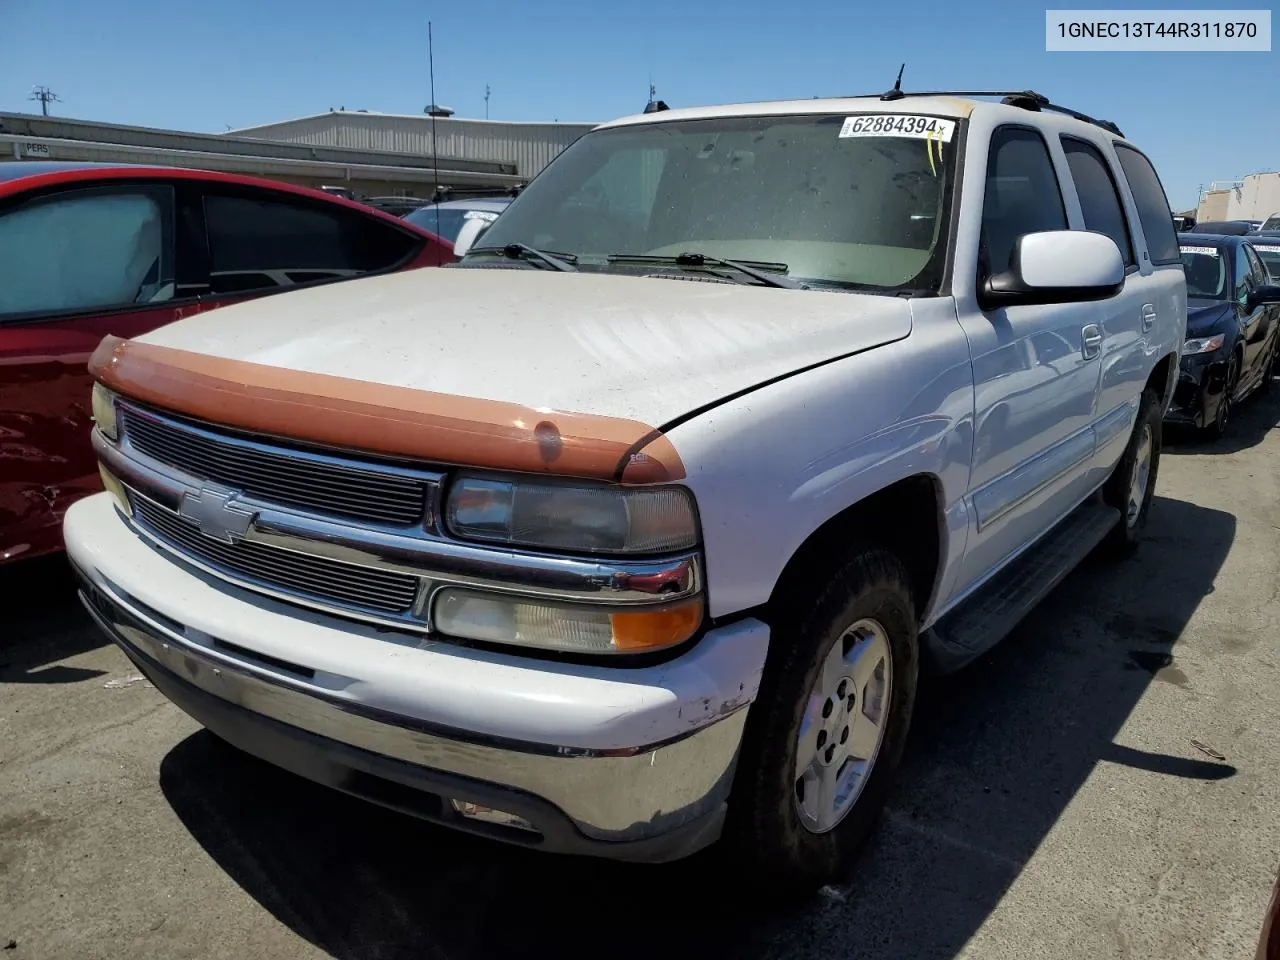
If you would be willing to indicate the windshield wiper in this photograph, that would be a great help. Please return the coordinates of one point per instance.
(751, 268)
(522, 251)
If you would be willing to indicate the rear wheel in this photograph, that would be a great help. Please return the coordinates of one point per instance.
(827, 729)
(1132, 484)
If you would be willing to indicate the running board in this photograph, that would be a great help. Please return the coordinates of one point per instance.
(985, 618)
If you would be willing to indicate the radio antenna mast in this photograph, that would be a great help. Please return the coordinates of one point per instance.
(896, 93)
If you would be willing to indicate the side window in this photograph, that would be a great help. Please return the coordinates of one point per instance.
(1242, 284)
(1099, 198)
(1152, 204)
(260, 243)
(97, 248)
(1260, 275)
(1022, 194)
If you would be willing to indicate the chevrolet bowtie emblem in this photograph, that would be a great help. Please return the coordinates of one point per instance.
(215, 512)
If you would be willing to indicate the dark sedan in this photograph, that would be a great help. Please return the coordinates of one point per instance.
(1233, 326)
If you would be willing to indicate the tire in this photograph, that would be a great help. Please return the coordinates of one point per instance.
(770, 847)
(1122, 488)
(1222, 417)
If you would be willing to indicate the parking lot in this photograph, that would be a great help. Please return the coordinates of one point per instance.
(1103, 785)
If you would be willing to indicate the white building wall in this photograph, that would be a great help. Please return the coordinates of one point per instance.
(530, 146)
(1256, 197)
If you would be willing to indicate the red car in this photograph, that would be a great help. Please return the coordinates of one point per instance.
(88, 250)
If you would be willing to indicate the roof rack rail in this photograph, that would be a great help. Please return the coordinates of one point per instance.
(1026, 99)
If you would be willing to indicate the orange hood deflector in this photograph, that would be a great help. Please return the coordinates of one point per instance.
(392, 421)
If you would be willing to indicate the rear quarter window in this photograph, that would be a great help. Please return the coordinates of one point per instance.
(1152, 204)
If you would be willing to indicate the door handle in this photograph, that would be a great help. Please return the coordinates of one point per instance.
(1148, 316)
(1090, 341)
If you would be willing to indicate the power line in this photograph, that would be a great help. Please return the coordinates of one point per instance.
(45, 96)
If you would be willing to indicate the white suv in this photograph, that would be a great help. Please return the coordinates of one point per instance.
(633, 530)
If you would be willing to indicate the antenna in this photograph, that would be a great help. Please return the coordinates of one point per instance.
(45, 96)
(486, 101)
(435, 144)
(896, 93)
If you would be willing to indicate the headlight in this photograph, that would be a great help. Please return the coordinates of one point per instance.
(1203, 344)
(104, 410)
(472, 615)
(589, 519)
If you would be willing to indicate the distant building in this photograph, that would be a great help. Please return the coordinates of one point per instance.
(1255, 197)
(369, 154)
(527, 146)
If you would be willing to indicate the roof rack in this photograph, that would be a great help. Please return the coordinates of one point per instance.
(1026, 99)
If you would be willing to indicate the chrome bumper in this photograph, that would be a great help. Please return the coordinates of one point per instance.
(652, 803)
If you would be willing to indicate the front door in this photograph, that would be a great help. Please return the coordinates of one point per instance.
(1035, 370)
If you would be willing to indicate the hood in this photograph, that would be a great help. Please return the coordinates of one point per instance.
(650, 349)
(1205, 316)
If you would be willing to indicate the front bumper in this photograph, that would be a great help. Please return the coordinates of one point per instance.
(1198, 391)
(659, 798)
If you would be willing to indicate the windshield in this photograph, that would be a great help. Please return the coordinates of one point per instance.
(1206, 272)
(1270, 256)
(1271, 223)
(834, 202)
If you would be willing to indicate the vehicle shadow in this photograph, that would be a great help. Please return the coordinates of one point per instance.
(1250, 422)
(997, 753)
(43, 622)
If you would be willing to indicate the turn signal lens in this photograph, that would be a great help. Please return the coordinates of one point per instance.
(103, 402)
(116, 489)
(472, 615)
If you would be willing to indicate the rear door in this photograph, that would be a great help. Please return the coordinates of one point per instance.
(77, 262)
(1125, 318)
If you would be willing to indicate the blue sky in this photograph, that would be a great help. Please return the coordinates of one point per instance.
(1201, 116)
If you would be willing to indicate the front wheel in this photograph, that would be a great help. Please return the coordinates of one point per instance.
(827, 729)
(1217, 428)
(1133, 482)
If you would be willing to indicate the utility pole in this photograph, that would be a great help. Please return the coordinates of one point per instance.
(486, 101)
(45, 96)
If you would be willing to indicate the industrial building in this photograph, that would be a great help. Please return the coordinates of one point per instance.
(527, 147)
(1256, 197)
(371, 154)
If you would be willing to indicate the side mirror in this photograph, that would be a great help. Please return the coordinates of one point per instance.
(1057, 266)
(1267, 293)
(468, 235)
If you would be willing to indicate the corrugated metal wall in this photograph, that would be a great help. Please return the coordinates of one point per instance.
(530, 146)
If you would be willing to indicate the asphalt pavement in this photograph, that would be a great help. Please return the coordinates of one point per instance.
(1103, 785)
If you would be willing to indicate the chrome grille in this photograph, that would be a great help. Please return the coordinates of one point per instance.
(290, 478)
(302, 574)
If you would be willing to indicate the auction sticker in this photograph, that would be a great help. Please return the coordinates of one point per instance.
(1269, 247)
(898, 125)
(1206, 251)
